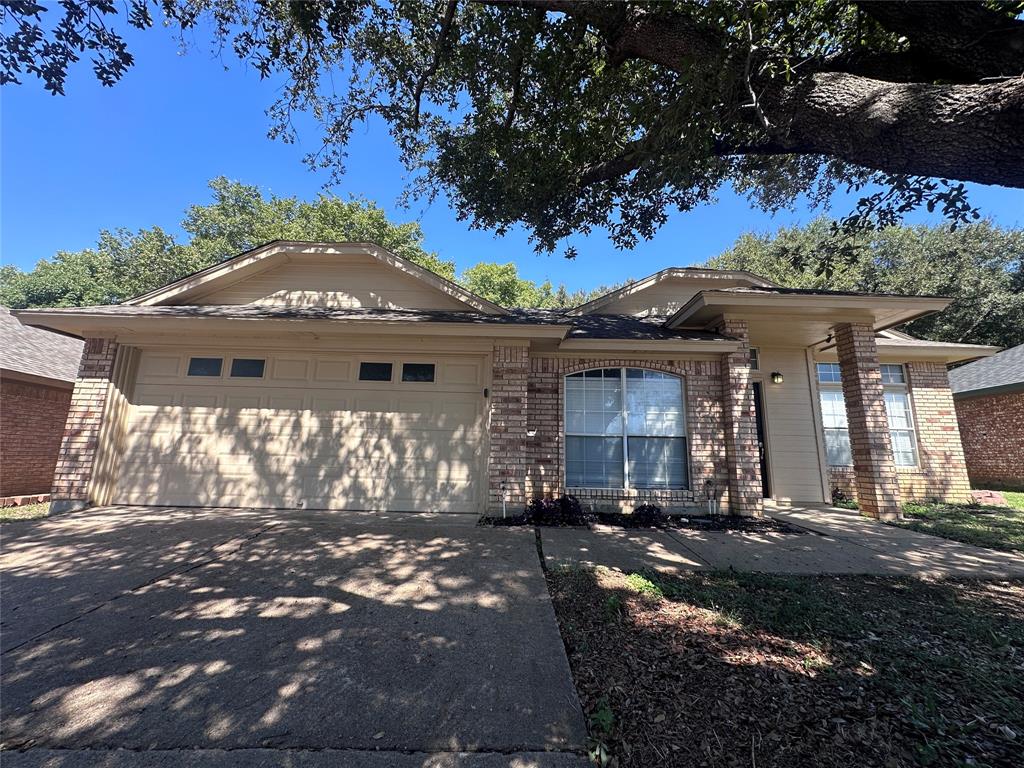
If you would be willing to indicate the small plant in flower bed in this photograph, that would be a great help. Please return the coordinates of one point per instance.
(644, 516)
(840, 499)
(565, 511)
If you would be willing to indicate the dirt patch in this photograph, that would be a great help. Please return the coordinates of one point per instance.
(755, 670)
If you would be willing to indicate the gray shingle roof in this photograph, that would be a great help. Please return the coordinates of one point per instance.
(1004, 371)
(583, 326)
(37, 352)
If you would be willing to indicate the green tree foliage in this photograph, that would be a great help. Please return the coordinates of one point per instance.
(125, 264)
(566, 115)
(980, 266)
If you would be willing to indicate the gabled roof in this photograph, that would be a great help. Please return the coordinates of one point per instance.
(1003, 372)
(277, 251)
(667, 274)
(36, 352)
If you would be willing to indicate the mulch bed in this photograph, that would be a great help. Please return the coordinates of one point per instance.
(787, 672)
(703, 523)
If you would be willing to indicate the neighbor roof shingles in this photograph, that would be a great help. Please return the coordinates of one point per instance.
(1003, 370)
(37, 352)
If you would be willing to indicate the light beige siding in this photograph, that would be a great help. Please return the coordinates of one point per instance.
(307, 435)
(664, 297)
(789, 415)
(338, 281)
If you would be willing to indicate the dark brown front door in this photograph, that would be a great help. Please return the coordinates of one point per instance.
(762, 444)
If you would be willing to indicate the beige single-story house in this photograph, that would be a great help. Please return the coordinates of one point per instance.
(340, 376)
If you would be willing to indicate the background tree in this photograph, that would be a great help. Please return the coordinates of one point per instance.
(567, 115)
(980, 266)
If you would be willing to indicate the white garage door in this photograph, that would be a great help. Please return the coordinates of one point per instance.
(314, 431)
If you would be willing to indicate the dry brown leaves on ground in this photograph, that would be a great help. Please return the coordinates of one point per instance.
(753, 670)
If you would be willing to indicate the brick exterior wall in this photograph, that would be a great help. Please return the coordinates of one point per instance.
(506, 461)
(942, 471)
(82, 430)
(702, 386)
(877, 487)
(742, 456)
(992, 429)
(32, 417)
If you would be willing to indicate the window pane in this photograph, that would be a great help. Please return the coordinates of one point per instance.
(755, 363)
(897, 406)
(247, 368)
(205, 366)
(833, 409)
(375, 371)
(893, 374)
(654, 403)
(904, 452)
(657, 462)
(417, 371)
(829, 373)
(593, 402)
(837, 448)
(593, 462)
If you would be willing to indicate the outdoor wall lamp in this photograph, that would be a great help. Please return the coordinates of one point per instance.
(777, 378)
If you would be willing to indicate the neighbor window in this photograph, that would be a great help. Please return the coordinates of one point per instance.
(205, 366)
(375, 371)
(422, 372)
(625, 428)
(897, 408)
(247, 368)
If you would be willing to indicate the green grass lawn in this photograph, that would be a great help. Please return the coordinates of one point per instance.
(730, 669)
(996, 527)
(24, 512)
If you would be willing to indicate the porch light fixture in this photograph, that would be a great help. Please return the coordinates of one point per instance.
(777, 378)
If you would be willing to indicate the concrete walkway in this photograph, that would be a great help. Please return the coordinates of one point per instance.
(175, 637)
(835, 542)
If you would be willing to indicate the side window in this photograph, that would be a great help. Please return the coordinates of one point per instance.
(205, 366)
(755, 362)
(375, 371)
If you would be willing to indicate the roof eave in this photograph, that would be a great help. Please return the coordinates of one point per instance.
(104, 325)
(709, 346)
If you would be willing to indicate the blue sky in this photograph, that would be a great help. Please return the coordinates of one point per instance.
(136, 155)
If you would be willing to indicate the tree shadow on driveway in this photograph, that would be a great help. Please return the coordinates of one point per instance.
(311, 634)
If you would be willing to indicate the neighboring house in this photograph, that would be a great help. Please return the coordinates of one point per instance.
(989, 398)
(37, 374)
(315, 375)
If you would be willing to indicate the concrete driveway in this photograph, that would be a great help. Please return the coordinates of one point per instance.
(299, 639)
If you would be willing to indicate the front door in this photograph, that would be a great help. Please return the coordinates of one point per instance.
(762, 444)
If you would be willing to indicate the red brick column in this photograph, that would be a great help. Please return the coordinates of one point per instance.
(506, 461)
(877, 487)
(940, 450)
(82, 430)
(742, 459)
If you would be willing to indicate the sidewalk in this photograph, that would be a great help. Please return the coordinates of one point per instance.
(835, 542)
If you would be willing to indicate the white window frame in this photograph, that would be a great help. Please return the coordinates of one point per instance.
(624, 434)
(890, 387)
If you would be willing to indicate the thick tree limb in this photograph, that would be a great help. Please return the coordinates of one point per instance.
(969, 39)
(964, 132)
(439, 49)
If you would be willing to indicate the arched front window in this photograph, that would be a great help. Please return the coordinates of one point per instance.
(625, 428)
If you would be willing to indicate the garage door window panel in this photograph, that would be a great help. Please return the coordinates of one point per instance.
(625, 428)
(205, 366)
(420, 373)
(369, 371)
(247, 368)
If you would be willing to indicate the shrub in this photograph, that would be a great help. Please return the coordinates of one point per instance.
(646, 516)
(565, 510)
(840, 499)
